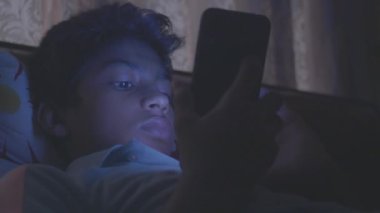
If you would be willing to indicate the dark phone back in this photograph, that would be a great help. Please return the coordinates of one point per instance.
(225, 37)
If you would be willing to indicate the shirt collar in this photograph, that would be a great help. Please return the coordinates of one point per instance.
(119, 154)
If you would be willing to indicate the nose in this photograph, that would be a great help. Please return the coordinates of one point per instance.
(157, 103)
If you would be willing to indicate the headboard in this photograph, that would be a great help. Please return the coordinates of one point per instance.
(348, 128)
(347, 125)
(21, 51)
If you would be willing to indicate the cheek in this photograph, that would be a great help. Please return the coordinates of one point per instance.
(105, 128)
(171, 116)
(107, 118)
(111, 115)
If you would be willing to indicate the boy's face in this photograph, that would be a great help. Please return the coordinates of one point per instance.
(126, 94)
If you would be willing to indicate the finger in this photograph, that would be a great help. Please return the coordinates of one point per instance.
(263, 92)
(273, 125)
(247, 83)
(270, 102)
(183, 107)
(265, 113)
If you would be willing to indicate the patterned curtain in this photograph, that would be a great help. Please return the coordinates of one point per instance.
(322, 46)
(25, 21)
(315, 46)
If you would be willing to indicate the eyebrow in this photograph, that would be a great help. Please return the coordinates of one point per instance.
(118, 61)
(165, 74)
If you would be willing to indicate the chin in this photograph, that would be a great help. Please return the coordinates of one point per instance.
(166, 146)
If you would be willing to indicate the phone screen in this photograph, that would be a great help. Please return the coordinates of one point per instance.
(225, 38)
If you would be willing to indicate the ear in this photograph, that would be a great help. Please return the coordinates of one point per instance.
(50, 120)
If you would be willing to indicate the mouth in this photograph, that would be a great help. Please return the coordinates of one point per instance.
(158, 127)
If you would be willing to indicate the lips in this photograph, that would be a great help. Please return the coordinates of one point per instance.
(158, 127)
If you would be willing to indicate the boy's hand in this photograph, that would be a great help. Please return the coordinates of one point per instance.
(237, 137)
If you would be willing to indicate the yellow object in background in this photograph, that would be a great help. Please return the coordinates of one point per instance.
(9, 100)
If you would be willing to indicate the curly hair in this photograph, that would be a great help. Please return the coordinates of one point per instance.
(67, 46)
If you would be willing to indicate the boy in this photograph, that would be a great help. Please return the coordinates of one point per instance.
(101, 91)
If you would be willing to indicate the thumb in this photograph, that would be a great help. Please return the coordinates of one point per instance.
(247, 83)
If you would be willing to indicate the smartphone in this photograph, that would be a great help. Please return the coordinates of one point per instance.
(225, 38)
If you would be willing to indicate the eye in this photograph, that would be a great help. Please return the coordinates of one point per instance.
(123, 85)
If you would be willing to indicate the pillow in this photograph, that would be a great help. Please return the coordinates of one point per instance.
(18, 145)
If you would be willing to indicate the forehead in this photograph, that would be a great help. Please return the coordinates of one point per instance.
(133, 51)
